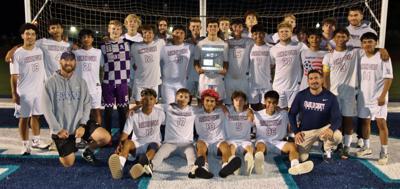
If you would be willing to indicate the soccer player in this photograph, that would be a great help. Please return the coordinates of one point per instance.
(176, 57)
(321, 118)
(238, 58)
(238, 127)
(209, 124)
(260, 68)
(66, 107)
(193, 38)
(311, 58)
(162, 28)
(271, 127)
(132, 23)
(214, 79)
(144, 125)
(376, 78)
(286, 58)
(357, 26)
(88, 60)
(328, 26)
(179, 127)
(117, 63)
(28, 76)
(250, 18)
(224, 28)
(146, 62)
(291, 19)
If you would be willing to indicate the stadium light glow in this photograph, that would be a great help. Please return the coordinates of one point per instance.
(73, 29)
(317, 25)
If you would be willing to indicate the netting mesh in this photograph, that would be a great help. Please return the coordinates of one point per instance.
(95, 14)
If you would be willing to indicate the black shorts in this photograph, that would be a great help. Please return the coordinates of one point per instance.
(67, 146)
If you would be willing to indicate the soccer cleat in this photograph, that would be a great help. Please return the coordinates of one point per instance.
(259, 163)
(137, 171)
(364, 152)
(192, 171)
(360, 143)
(148, 170)
(115, 166)
(88, 155)
(344, 154)
(248, 163)
(233, 164)
(301, 168)
(383, 159)
(37, 144)
(202, 169)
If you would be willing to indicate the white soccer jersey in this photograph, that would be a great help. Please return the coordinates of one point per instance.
(237, 125)
(373, 73)
(146, 128)
(238, 57)
(343, 71)
(88, 67)
(260, 67)
(146, 57)
(210, 126)
(211, 78)
(356, 33)
(29, 66)
(179, 123)
(52, 51)
(271, 127)
(287, 66)
(176, 59)
(137, 38)
(311, 60)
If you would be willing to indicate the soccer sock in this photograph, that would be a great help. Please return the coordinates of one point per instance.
(384, 149)
(328, 153)
(347, 140)
(366, 143)
(122, 160)
(25, 142)
(294, 162)
(36, 138)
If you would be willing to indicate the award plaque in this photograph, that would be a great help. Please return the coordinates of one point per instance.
(212, 58)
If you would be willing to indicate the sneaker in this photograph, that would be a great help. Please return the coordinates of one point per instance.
(301, 168)
(115, 166)
(80, 143)
(148, 170)
(248, 163)
(383, 159)
(233, 164)
(37, 144)
(26, 150)
(88, 155)
(137, 171)
(202, 169)
(259, 163)
(364, 152)
(192, 171)
(345, 153)
(360, 143)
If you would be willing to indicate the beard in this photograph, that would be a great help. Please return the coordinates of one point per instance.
(68, 69)
(315, 86)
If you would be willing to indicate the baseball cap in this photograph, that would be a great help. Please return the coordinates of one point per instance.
(67, 55)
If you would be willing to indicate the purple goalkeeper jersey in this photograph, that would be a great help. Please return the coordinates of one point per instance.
(117, 62)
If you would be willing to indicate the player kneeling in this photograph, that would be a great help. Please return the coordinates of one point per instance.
(144, 125)
(209, 124)
(271, 128)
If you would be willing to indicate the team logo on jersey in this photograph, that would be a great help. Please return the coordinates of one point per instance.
(148, 58)
(211, 126)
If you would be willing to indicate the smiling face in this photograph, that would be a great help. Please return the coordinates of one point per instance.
(251, 20)
(369, 45)
(355, 17)
(195, 28)
(29, 37)
(258, 37)
(87, 41)
(315, 81)
(314, 40)
(182, 99)
(56, 31)
(340, 39)
(212, 29)
(270, 105)
(148, 36)
(178, 36)
(284, 33)
(162, 26)
(237, 30)
(224, 26)
(115, 31)
(68, 65)
(209, 103)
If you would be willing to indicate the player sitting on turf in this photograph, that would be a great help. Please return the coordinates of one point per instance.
(271, 128)
(144, 125)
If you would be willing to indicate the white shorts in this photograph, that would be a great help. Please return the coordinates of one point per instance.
(95, 97)
(286, 98)
(257, 95)
(347, 105)
(168, 93)
(136, 91)
(140, 149)
(232, 85)
(240, 145)
(212, 148)
(372, 112)
(220, 88)
(27, 107)
(275, 146)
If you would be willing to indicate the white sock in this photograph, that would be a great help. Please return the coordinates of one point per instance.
(291, 135)
(294, 162)
(25, 142)
(347, 140)
(36, 138)
(366, 143)
(122, 160)
(384, 149)
(328, 153)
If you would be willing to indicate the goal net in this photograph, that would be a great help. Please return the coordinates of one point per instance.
(95, 14)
